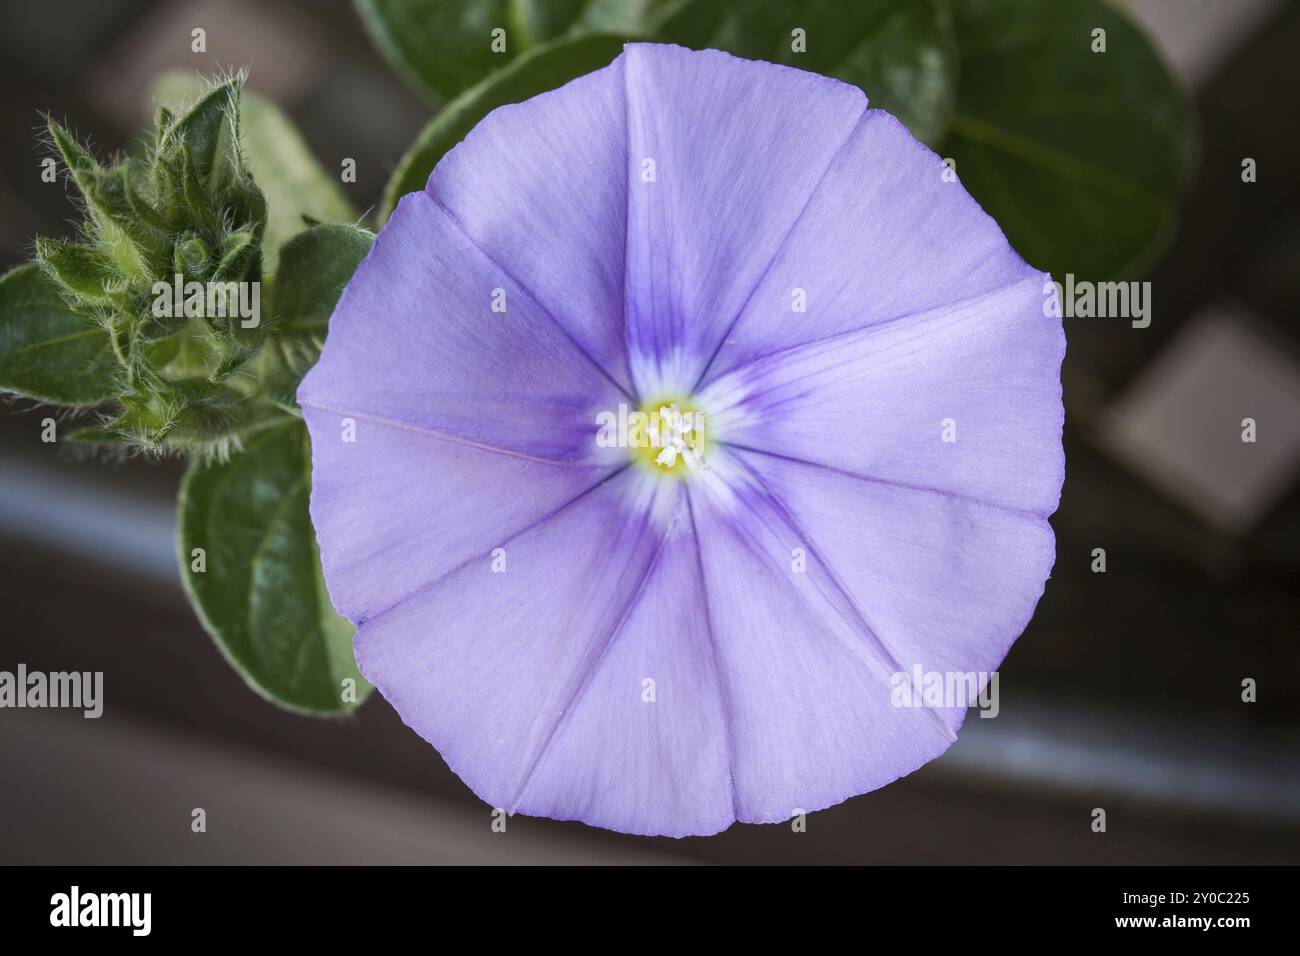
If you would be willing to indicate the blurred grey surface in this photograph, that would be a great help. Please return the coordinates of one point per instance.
(147, 784)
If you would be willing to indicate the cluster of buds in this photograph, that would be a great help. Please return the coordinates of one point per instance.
(170, 248)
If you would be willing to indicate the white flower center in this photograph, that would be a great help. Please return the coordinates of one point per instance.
(677, 433)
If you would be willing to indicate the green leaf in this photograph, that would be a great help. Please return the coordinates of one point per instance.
(314, 267)
(48, 352)
(296, 186)
(443, 47)
(262, 596)
(210, 129)
(539, 70)
(901, 53)
(1078, 155)
(83, 167)
(542, 20)
(293, 182)
(83, 270)
(95, 435)
(130, 238)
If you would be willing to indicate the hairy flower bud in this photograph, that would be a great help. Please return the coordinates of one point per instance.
(170, 264)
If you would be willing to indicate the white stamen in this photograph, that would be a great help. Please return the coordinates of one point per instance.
(670, 431)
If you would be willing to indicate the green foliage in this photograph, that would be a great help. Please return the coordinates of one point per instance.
(314, 267)
(155, 311)
(47, 351)
(901, 52)
(183, 211)
(443, 47)
(296, 187)
(252, 570)
(537, 71)
(1079, 155)
(93, 322)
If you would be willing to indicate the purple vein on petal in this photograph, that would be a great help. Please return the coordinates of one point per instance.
(920, 315)
(758, 282)
(452, 218)
(909, 486)
(591, 667)
(857, 620)
(628, 251)
(385, 422)
(536, 523)
(696, 243)
(724, 695)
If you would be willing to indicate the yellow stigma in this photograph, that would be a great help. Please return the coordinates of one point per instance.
(668, 437)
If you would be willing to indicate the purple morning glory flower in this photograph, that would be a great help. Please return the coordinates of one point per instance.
(687, 406)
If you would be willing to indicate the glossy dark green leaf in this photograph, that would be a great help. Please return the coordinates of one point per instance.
(1078, 155)
(901, 53)
(262, 596)
(543, 20)
(541, 69)
(48, 352)
(444, 47)
(439, 47)
(314, 268)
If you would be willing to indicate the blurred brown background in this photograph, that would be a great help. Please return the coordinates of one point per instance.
(1125, 693)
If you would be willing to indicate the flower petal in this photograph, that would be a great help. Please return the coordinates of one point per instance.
(889, 232)
(396, 509)
(485, 664)
(644, 746)
(722, 156)
(540, 188)
(836, 538)
(947, 583)
(415, 343)
(808, 682)
(962, 400)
